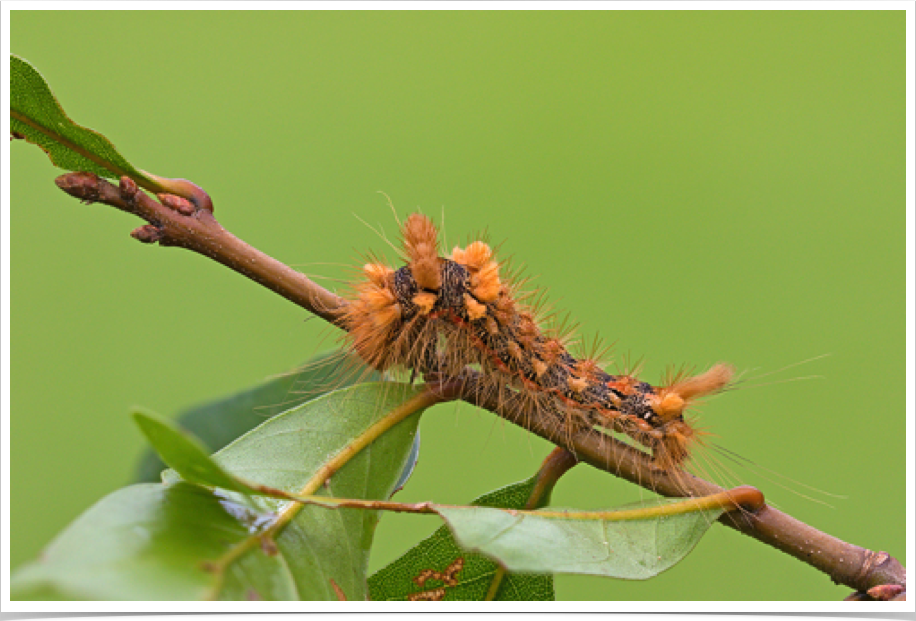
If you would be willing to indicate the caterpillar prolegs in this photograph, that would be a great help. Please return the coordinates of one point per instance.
(439, 315)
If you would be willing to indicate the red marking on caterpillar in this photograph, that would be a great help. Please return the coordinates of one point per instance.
(438, 315)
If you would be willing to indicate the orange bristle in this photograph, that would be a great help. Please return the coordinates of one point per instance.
(474, 257)
(377, 273)
(476, 310)
(713, 380)
(421, 247)
(672, 400)
(425, 300)
(486, 283)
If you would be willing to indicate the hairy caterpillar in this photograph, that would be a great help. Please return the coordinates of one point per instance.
(438, 315)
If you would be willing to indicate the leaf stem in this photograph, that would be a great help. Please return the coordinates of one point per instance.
(425, 399)
(557, 463)
(742, 497)
(410, 407)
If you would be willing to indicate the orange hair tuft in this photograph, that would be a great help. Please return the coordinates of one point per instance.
(713, 380)
(672, 400)
(421, 247)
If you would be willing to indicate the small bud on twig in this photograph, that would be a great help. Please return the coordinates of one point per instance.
(82, 185)
(128, 189)
(147, 234)
(177, 203)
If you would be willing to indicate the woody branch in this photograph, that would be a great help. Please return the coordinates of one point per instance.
(174, 221)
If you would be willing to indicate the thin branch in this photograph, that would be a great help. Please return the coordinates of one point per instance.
(178, 222)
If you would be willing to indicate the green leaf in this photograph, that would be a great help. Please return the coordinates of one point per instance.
(181, 541)
(439, 552)
(621, 546)
(185, 453)
(146, 542)
(36, 115)
(219, 422)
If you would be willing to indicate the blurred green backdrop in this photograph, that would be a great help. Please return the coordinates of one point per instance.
(694, 186)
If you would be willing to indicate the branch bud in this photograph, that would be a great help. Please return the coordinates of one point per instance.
(82, 185)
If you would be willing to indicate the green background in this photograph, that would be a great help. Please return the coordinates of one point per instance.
(694, 186)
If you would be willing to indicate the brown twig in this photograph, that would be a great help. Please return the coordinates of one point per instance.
(178, 222)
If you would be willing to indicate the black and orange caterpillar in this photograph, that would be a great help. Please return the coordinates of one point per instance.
(437, 316)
